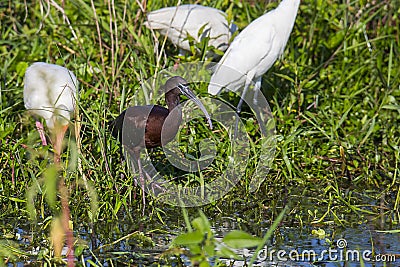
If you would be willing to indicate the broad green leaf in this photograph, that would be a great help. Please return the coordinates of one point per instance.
(210, 250)
(50, 180)
(201, 223)
(228, 253)
(240, 239)
(188, 238)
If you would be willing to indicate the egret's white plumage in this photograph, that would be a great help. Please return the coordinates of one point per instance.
(50, 92)
(255, 50)
(178, 22)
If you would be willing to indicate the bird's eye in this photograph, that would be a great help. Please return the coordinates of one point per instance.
(183, 86)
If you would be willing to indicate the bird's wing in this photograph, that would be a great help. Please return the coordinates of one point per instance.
(49, 86)
(251, 50)
(36, 93)
(130, 126)
(137, 116)
(64, 87)
(179, 22)
(256, 48)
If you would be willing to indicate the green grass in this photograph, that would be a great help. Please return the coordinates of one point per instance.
(335, 96)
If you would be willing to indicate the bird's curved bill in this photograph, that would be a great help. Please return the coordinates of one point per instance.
(187, 92)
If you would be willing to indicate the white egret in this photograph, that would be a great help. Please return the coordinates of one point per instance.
(177, 23)
(255, 50)
(50, 92)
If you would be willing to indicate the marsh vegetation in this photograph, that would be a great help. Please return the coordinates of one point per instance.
(334, 95)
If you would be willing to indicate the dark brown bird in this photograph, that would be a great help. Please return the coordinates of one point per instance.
(153, 126)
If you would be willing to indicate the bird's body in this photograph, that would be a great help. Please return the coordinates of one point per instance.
(255, 49)
(151, 119)
(150, 126)
(177, 23)
(49, 92)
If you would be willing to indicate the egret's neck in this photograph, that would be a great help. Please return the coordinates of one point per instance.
(288, 9)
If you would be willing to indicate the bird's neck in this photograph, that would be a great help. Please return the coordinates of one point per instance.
(172, 102)
(290, 8)
(175, 109)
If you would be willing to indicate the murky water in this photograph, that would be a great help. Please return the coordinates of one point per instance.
(114, 244)
(339, 247)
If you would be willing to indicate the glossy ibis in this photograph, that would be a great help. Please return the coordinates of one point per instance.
(50, 92)
(153, 126)
(177, 23)
(255, 50)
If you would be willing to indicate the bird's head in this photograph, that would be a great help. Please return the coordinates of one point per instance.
(172, 84)
(176, 86)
